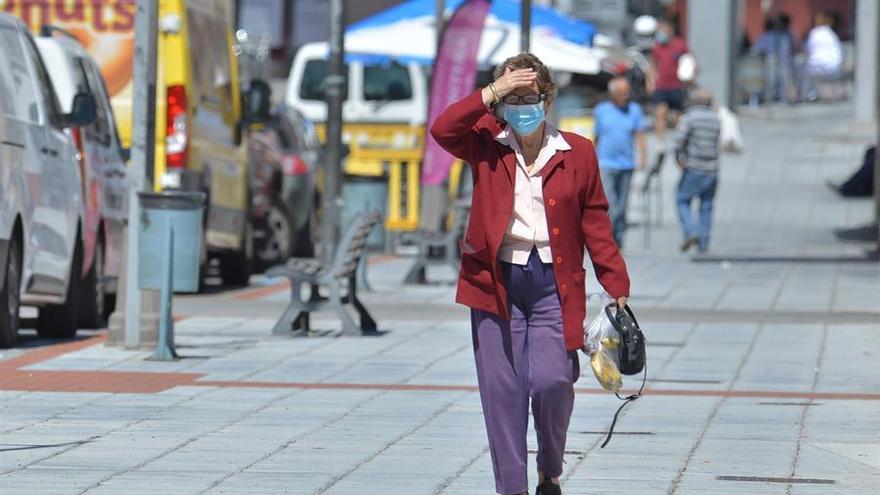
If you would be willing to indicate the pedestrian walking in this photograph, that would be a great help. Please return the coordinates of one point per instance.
(537, 202)
(696, 148)
(668, 89)
(776, 43)
(619, 130)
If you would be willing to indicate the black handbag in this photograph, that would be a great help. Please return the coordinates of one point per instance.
(631, 357)
(631, 352)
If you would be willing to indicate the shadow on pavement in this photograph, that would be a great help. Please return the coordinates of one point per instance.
(28, 339)
(7, 447)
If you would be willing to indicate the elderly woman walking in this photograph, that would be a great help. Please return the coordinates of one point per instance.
(537, 203)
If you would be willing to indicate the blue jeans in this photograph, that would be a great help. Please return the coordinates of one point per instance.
(616, 183)
(701, 185)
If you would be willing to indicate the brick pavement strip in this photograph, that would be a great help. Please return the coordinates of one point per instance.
(14, 378)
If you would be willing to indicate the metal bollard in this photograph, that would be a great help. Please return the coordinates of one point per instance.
(165, 344)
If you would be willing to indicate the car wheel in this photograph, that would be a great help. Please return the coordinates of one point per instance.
(93, 293)
(10, 296)
(275, 245)
(60, 320)
(109, 306)
(236, 267)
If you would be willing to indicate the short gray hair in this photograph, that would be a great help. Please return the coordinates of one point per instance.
(702, 96)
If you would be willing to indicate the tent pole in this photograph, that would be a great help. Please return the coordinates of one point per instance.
(440, 7)
(525, 24)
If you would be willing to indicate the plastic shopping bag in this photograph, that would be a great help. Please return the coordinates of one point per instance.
(731, 135)
(601, 342)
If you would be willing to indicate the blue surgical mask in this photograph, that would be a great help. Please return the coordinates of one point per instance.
(661, 37)
(524, 119)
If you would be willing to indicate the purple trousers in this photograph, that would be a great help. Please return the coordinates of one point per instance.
(522, 358)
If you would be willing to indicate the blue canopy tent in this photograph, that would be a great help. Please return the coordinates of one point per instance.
(547, 19)
(406, 33)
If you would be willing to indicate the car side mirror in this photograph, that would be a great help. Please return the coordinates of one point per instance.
(84, 112)
(258, 103)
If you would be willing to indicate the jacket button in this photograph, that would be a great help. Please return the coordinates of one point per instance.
(555, 231)
(552, 202)
(563, 287)
(559, 259)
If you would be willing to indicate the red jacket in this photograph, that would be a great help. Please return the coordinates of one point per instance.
(576, 216)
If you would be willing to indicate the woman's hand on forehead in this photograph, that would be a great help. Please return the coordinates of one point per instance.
(517, 81)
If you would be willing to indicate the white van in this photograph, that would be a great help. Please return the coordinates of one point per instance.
(102, 165)
(40, 191)
(386, 93)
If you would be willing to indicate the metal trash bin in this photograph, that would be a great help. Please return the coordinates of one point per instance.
(361, 194)
(163, 213)
(169, 240)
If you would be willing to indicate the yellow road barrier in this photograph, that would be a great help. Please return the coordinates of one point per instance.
(393, 151)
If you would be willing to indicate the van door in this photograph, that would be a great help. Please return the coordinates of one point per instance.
(58, 198)
(107, 166)
(12, 153)
(215, 124)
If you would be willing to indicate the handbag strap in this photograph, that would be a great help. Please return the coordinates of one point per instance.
(613, 317)
(626, 400)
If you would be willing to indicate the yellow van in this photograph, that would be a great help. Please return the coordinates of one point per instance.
(199, 114)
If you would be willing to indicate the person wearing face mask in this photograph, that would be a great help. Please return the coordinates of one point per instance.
(619, 130)
(537, 203)
(663, 81)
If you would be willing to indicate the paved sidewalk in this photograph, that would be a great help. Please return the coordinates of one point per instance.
(764, 369)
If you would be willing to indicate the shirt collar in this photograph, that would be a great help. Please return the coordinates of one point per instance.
(552, 138)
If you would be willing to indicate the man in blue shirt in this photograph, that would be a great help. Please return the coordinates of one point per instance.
(619, 130)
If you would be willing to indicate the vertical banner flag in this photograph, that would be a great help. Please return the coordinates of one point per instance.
(454, 76)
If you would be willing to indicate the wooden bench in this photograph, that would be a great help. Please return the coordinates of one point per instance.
(340, 279)
(447, 240)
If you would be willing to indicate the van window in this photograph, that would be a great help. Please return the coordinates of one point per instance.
(389, 82)
(314, 85)
(209, 55)
(24, 106)
(45, 89)
(100, 129)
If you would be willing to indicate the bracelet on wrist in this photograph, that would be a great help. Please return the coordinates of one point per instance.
(495, 97)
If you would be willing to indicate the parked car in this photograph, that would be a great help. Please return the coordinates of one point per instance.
(200, 132)
(102, 167)
(284, 161)
(41, 207)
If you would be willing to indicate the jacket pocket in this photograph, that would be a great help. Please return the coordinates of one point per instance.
(476, 267)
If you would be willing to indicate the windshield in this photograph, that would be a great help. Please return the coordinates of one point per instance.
(314, 84)
(388, 82)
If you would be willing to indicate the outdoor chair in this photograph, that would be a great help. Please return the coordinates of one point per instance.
(447, 240)
(340, 279)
